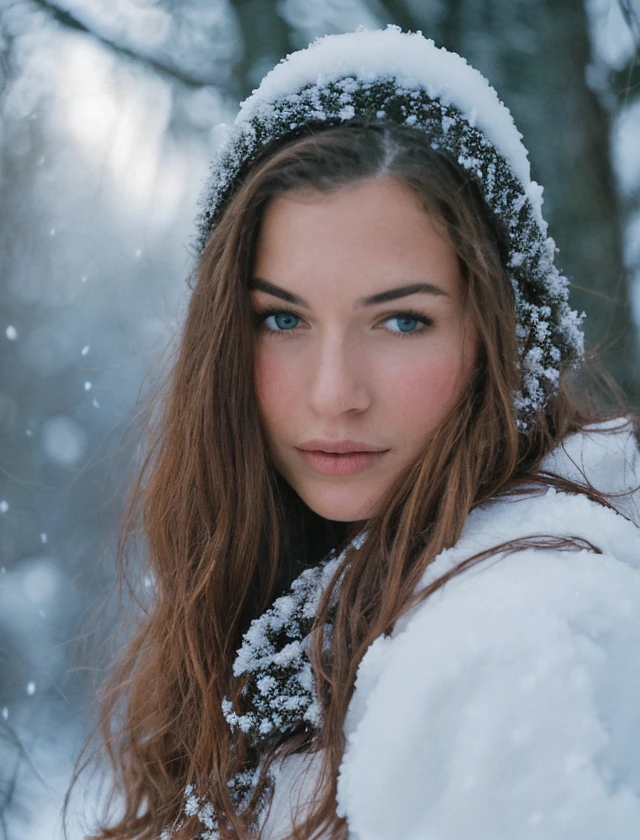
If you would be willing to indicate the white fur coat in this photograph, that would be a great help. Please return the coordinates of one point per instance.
(507, 705)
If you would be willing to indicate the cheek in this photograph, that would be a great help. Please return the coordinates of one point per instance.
(276, 388)
(426, 391)
(265, 377)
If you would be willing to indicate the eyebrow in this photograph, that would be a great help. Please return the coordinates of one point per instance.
(381, 297)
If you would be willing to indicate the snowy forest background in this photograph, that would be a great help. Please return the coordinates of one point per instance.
(111, 110)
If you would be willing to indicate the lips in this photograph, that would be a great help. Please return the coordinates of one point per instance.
(340, 458)
(339, 446)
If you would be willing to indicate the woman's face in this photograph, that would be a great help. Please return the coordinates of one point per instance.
(362, 341)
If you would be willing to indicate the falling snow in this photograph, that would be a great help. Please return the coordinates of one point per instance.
(63, 440)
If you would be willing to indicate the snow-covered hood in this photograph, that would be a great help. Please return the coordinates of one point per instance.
(399, 79)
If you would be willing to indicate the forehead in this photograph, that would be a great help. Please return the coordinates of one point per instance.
(360, 237)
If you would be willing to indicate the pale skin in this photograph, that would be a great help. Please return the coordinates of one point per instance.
(334, 366)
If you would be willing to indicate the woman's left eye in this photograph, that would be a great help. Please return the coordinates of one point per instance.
(408, 323)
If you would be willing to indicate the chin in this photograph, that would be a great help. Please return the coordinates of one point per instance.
(342, 504)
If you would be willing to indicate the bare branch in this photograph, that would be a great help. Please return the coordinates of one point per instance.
(632, 18)
(626, 82)
(68, 20)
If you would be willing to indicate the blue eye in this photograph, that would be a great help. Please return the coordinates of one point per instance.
(405, 323)
(276, 320)
(409, 323)
(284, 320)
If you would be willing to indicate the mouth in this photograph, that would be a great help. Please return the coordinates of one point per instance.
(341, 463)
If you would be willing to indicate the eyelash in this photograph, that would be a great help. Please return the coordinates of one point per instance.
(260, 316)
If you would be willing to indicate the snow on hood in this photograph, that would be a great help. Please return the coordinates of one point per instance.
(414, 62)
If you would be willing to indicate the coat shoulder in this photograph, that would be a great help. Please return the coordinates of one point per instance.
(508, 703)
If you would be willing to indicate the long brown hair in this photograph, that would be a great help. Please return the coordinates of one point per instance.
(224, 535)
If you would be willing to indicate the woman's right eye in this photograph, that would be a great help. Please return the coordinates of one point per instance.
(276, 320)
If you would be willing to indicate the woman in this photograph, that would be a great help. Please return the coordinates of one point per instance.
(394, 548)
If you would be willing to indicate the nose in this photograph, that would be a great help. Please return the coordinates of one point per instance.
(338, 379)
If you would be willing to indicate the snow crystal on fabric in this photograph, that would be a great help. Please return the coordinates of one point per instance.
(280, 688)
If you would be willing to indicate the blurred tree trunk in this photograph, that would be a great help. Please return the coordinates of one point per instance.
(266, 40)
